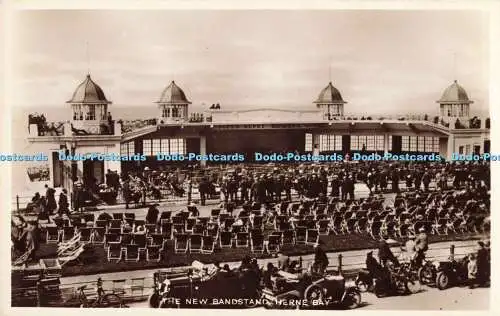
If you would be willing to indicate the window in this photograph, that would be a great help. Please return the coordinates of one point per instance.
(330, 142)
(77, 112)
(146, 147)
(175, 112)
(461, 150)
(448, 110)
(156, 148)
(166, 112)
(127, 148)
(421, 143)
(308, 142)
(467, 149)
(90, 114)
(370, 143)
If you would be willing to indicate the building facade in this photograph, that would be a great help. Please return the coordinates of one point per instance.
(323, 128)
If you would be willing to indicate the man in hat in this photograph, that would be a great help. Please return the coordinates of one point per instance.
(409, 247)
(421, 246)
(385, 253)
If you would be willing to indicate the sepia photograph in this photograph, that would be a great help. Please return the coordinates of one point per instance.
(250, 159)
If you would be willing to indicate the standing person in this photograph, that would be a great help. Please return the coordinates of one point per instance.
(77, 194)
(482, 264)
(152, 215)
(63, 203)
(32, 240)
(51, 199)
(395, 181)
(203, 187)
(126, 192)
(335, 186)
(426, 180)
(320, 259)
(421, 246)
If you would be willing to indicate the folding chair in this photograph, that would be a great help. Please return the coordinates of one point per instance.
(53, 234)
(118, 216)
(324, 227)
(132, 253)
(114, 252)
(68, 233)
(312, 237)
(440, 227)
(85, 234)
(337, 225)
(226, 239)
(242, 240)
(375, 229)
(301, 235)
(157, 240)
(165, 215)
(195, 243)
(208, 245)
(199, 229)
(151, 229)
(257, 243)
(181, 243)
(258, 222)
(273, 244)
(190, 222)
(112, 239)
(153, 253)
(99, 236)
(140, 240)
(166, 230)
(288, 237)
(115, 223)
(126, 239)
(213, 230)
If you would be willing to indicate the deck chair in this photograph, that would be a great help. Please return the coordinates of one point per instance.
(132, 253)
(52, 234)
(129, 218)
(151, 229)
(257, 243)
(157, 240)
(361, 225)
(301, 235)
(337, 226)
(273, 244)
(118, 216)
(403, 230)
(242, 240)
(165, 215)
(350, 225)
(324, 227)
(258, 222)
(153, 253)
(312, 237)
(112, 239)
(199, 229)
(71, 256)
(126, 239)
(179, 229)
(166, 230)
(99, 235)
(288, 237)
(208, 245)
(115, 223)
(195, 243)
(140, 240)
(68, 233)
(181, 243)
(85, 234)
(226, 239)
(213, 230)
(190, 222)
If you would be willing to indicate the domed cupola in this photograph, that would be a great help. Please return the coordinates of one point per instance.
(90, 108)
(330, 102)
(173, 104)
(454, 102)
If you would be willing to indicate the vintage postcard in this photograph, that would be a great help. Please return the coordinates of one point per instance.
(247, 158)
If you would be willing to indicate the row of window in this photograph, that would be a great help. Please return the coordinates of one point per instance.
(454, 110)
(332, 142)
(89, 112)
(420, 143)
(175, 112)
(151, 147)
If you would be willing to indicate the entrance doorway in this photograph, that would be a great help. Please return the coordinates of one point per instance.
(93, 173)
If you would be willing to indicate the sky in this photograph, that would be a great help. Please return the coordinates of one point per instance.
(383, 62)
